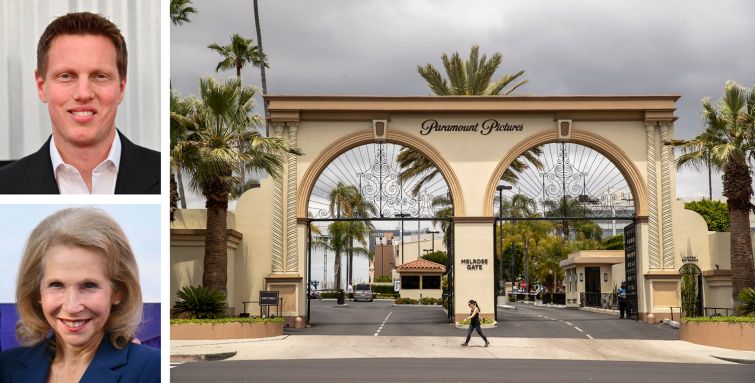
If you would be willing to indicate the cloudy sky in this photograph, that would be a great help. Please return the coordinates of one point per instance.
(373, 47)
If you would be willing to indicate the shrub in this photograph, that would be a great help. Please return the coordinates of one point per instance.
(328, 295)
(229, 320)
(384, 278)
(747, 297)
(715, 213)
(430, 301)
(465, 322)
(382, 289)
(406, 301)
(199, 303)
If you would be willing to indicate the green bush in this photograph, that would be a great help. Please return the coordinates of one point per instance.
(386, 296)
(199, 303)
(749, 319)
(430, 301)
(229, 320)
(715, 213)
(384, 278)
(406, 301)
(465, 322)
(328, 295)
(747, 297)
(382, 289)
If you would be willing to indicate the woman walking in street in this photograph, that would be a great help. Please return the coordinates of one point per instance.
(474, 323)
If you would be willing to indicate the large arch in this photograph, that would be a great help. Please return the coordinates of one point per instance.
(352, 140)
(605, 147)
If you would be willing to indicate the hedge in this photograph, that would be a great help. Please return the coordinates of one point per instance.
(229, 320)
(720, 319)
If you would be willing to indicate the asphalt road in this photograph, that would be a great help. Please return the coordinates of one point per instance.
(528, 321)
(456, 370)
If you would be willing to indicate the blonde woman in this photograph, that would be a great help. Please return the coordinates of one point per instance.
(79, 304)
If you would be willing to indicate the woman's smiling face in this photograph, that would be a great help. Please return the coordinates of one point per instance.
(76, 295)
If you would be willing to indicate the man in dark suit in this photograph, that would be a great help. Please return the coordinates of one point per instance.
(81, 76)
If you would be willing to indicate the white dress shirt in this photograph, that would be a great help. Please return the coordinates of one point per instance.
(103, 176)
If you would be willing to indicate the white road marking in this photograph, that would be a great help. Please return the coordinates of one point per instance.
(578, 329)
(175, 364)
(382, 324)
(589, 336)
(568, 323)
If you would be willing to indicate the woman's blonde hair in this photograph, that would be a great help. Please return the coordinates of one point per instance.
(87, 228)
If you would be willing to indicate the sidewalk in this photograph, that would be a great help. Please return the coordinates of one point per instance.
(339, 347)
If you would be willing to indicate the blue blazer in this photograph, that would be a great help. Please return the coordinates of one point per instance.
(135, 363)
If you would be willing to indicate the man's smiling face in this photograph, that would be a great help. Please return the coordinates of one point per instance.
(82, 89)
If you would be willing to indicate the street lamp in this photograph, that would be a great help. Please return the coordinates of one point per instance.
(402, 216)
(325, 263)
(433, 232)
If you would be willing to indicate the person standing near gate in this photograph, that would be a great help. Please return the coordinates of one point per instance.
(474, 323)
(623, 300)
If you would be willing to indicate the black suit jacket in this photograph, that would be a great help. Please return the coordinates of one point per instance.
(138, 172)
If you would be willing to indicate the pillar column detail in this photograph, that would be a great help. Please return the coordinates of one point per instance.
(654, 244)
(277, 248)
(667, 158)
(292, 253)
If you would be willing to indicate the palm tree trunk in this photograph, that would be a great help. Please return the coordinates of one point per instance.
(737, 184)
(181, 193)
(710, 179)
(337, 270)
(173, 196)
(215, 250)
(262, 67)
(351, 264)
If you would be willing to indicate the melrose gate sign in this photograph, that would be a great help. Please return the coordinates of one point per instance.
(482, 127)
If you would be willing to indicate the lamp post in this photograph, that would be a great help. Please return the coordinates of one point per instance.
(325, 238)
(402, 216)
(500, 189)
(433, 232)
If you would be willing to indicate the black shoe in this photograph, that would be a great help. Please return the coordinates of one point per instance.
(486, 344)
(463, 345)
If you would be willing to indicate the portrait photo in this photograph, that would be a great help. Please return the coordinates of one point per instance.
(80, 112)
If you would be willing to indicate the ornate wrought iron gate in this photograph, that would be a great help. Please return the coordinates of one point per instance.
(630, 269)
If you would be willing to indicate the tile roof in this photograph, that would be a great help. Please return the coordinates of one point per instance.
(422, 265)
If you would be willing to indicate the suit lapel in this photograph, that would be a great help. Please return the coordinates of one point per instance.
(39, 177)
(131, 170)
(37, 365)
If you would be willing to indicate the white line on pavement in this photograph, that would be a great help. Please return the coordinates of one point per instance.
(382, 324)
(578, 329)
(569, 323)
(589, 336)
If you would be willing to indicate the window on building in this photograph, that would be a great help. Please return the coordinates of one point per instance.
(431, 281)
(409, 282)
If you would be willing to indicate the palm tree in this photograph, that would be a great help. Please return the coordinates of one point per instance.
(519, 205)
(732, 132)
(566, 206)
(337, 233)
(180, 11)
(181, 128)
(238, 54)
(698, 152)
(470, 77)
(212, 157)
(443, 206)
(263, 78)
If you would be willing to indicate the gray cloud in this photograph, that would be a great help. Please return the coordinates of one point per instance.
(373, 47)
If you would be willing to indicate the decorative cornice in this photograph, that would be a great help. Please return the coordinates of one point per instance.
(607, 148)
(489, 220)
(662, 275)
(340, 145)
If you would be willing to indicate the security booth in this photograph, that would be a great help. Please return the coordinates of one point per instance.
(592, 277)
(421, 279)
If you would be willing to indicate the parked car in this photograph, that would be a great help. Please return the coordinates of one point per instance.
(363, 292)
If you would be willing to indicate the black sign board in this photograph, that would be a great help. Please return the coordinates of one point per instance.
(268, 298)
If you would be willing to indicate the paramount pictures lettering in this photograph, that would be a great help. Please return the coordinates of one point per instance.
(474, 264)
(484, 128)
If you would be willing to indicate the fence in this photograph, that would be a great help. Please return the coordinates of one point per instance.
(709, 312)
(609, 301)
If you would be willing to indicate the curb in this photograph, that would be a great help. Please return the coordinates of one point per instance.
(735, 360)
(201, 357)
(675, 325)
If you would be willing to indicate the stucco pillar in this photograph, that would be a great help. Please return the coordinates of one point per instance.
(292, 253)
(277, 224)
(473, 266)
(654, 256)
(667, 159)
